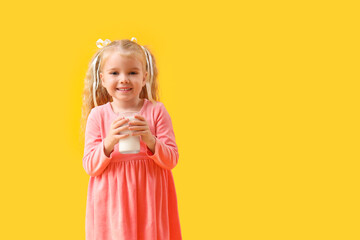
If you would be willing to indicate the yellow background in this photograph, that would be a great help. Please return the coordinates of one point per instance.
(263, 95)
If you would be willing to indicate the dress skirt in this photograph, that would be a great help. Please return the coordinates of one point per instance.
(132, 200)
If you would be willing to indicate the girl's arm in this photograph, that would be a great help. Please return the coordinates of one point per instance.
(94, 161)
(166, 152)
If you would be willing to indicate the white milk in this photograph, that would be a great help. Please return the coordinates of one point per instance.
(130, 144)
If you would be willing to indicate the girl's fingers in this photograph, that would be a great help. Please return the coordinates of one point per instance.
(139, 117)
(119, 122)
(120, 129)
(137, 128)
(119, 118)
(118, 137)
(137, 122)
(139, 133)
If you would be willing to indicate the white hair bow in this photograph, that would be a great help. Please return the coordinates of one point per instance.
(100, 43)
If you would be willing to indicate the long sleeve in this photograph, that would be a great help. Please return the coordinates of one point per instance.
(94, 160)
(166, 152)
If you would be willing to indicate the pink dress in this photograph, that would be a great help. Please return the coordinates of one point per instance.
(131, 196)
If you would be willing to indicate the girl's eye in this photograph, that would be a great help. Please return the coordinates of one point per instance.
(116, 73)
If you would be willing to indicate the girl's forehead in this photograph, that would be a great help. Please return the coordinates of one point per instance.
(114, 59)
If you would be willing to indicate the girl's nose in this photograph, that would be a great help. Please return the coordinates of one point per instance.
(123, 79)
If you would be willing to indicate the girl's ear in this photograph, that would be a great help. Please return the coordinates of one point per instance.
(144, 79)
(102, 78)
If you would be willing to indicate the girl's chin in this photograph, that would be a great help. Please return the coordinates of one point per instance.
(123, 97)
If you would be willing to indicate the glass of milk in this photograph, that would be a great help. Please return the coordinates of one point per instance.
(130, 144)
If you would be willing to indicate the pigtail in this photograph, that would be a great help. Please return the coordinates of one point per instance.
(95, 77)
(93, 94)
(150, 90)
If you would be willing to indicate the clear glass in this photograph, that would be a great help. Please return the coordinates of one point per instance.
(130, 144)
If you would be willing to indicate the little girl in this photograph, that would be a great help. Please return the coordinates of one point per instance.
(130, 196)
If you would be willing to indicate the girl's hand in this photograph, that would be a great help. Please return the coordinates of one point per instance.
(141, 127)
(114, 135)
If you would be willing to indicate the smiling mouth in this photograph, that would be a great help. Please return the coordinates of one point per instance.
(124, 89)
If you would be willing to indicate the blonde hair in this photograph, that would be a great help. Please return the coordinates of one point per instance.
(125, 47)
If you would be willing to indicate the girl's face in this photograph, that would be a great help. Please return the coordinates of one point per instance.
(123, 77)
